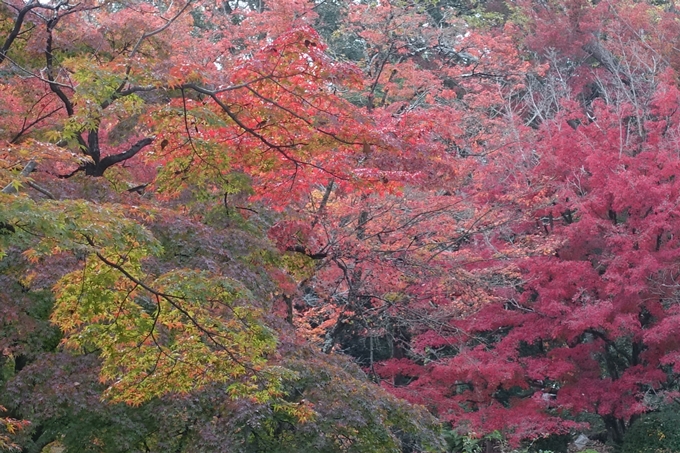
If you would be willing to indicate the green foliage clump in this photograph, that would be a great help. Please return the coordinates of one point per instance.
(465, 443)
(349, 415)
(656, 432)
(194, 325)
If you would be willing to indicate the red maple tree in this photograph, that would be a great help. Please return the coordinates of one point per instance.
(587, 324)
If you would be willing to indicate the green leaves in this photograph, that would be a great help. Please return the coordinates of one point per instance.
(170, 333)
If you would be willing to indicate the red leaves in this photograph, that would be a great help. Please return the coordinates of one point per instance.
(389, 369)
(580, 176)
(501, 226)
(289, 234)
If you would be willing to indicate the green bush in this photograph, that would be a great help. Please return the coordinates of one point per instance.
(656, 432)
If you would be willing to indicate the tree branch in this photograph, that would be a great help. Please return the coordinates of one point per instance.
(141, 39)
(26, 127)
(210, 335)
(41, 189)
(11, 187)
(108, 161)
(18, 23)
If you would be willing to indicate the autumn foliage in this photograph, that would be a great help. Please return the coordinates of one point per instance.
(211, 209)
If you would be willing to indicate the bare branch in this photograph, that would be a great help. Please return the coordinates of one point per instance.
(41, 189)
(108, 161)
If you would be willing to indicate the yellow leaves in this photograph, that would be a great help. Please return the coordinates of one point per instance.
(302, 411)
(27, 279)
(172, 333)
(173, 340)
(52, 135)
(298, 265)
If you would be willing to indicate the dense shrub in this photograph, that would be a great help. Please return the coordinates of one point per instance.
(657, 432)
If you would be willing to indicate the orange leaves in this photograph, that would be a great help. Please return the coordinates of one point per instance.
(276, 116)
(11, 426)
(185, 73)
